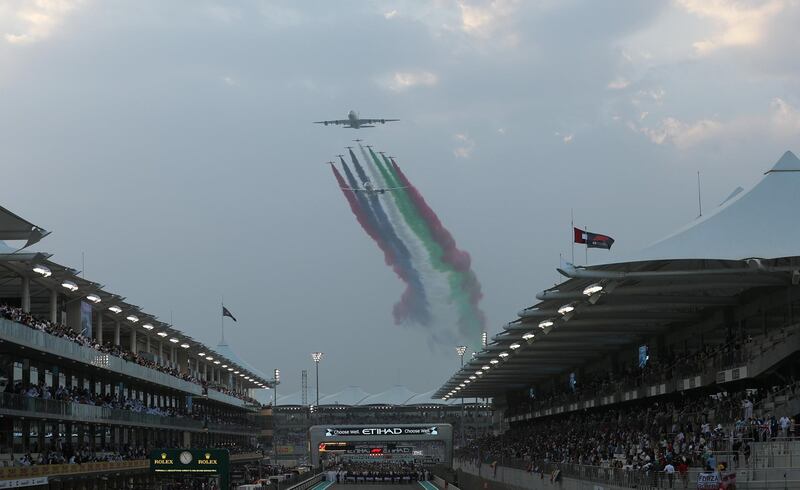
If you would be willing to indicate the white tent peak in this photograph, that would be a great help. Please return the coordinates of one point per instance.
(788, 163)
(744, 226)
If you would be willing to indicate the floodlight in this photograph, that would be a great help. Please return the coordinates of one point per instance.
(115, 309)
(515, 345)
(93, 298)
(566, 309)
(594, 288)
(43, 270)
(545, 324)
(132, 318)
(69, 285)
(148, 326)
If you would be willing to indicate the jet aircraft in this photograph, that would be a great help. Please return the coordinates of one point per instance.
(355, 122)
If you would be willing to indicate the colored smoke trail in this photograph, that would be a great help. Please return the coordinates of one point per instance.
(465, 286)
(413, 304)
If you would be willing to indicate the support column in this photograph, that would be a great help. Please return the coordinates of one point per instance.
(116, 334)
(26, 294)
(53, 306)
(205, 371)
(147, 338)
(133, 340)
(99, 334)
(160, 353)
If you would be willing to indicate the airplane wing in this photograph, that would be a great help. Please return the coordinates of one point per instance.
(334, 122)
(352, 190)
(391, 188)
(376, 121)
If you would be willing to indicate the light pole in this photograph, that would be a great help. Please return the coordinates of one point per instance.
(461, 350)
(317, 356)
(276, 379)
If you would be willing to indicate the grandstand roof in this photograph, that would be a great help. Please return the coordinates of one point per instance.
(677, 281)
(13, 227)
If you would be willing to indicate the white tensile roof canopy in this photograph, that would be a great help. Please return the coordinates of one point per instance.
(759, 223)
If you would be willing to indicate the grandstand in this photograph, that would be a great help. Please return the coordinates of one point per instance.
(660, 367)
(91, 382)
(354, 406)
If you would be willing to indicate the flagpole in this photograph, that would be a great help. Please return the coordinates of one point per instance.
(222, 318)
(572, 232)
(586, 262)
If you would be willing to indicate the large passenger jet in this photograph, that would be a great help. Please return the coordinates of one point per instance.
(354, 122)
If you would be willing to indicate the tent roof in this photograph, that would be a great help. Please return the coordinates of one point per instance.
(352, 395)
(396, 395)
(744, 225)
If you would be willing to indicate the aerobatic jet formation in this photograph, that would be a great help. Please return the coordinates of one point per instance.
(368, 188)
(355, 122)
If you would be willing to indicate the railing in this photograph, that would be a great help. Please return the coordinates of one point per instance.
(673, 378)
(12, 404)
(38, 340)
(308, 483)
(70, 469)
(783, 478)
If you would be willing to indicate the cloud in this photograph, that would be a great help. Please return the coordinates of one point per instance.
(566, 138)
(390, 14)
(782, 120)
(681, 134)
(230, 81)
(466, 145)
(402, 81)
(618, 84)
(485, 18)
(34, 20)
(740, 23)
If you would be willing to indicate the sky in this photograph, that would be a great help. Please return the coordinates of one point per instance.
(171, 144)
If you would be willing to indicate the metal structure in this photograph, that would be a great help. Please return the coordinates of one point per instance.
(317, 356)
(304, 387)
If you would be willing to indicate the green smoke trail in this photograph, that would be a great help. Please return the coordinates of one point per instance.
(461, 282)
(412, 218)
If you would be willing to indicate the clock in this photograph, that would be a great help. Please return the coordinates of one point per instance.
(185, 457)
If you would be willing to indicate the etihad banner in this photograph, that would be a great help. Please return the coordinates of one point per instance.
(381, 431)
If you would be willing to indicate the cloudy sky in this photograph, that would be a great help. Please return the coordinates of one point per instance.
(171, 143)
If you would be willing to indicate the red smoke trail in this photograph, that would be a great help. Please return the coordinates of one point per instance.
(401, 310)
(458, 259)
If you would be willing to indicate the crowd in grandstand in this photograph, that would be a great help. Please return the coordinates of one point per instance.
(66, 454)
(678, 430)
(62, 331)
(86, 397)
(667, 366)
(377, 471)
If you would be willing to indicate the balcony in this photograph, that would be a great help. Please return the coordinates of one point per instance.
(30, 338)
(22, 406)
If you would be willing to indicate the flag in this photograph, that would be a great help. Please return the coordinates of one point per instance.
(227, 312)
(593, 240)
